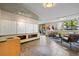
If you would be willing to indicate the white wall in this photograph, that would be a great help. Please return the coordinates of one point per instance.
(57, 25)
(16, 24)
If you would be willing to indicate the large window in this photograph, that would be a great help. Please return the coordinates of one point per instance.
(71, 25)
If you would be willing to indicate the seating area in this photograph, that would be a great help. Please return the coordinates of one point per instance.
(67, 38)
(72, 38)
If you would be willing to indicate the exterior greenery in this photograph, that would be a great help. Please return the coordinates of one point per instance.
(72, 24)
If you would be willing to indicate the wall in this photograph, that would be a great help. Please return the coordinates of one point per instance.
(57, 25)
(16, 24)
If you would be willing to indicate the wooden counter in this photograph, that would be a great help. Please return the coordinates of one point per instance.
(10, 47)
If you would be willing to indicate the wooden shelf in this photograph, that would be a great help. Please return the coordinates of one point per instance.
(27, 40)
(24, 37)
(29, 37)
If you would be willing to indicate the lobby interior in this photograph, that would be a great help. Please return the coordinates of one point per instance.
(39, 29)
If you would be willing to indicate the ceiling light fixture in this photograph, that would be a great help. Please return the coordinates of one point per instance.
(48, 5)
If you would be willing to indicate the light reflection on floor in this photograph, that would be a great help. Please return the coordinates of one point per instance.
(46, 47)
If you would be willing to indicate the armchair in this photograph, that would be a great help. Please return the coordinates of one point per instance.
(70, 39)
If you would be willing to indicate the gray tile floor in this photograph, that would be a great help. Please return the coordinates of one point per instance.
(49, 47)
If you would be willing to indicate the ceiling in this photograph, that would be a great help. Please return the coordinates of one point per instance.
(47, 14)
(59, 10)
(17, 8)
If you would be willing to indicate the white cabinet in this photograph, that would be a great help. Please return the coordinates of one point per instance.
(27, 28)
(12, 27)
(36, 28)
(4, 27)
(7, 27)
(31, 28)
(20, 27)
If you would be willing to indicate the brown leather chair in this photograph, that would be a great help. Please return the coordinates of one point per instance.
(71, 38)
